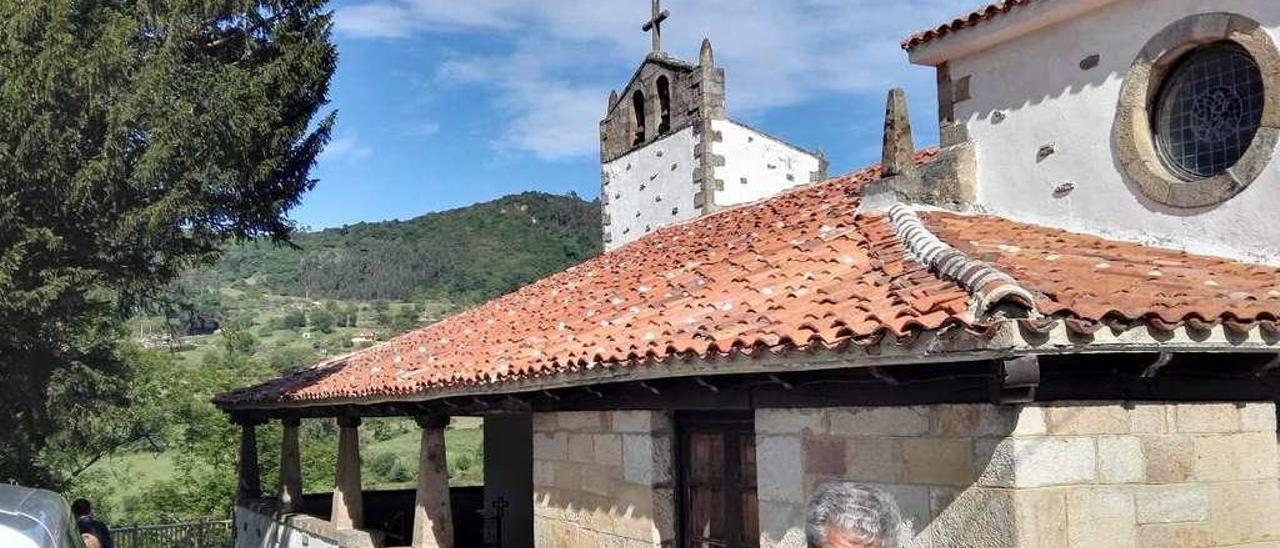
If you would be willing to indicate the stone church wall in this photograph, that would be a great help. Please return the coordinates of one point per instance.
(1053, 475)
(756, 165)
(1041, 110)
(649, 188)
(603, 479)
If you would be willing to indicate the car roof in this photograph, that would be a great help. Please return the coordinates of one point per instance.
(32, 515)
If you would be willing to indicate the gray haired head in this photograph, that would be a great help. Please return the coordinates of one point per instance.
(866, 514)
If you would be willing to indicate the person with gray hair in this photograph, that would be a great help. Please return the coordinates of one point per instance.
(845, 514)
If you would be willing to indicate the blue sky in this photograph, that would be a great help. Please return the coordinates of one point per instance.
(444, 103)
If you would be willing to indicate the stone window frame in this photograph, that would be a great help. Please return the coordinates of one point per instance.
(1135, 145)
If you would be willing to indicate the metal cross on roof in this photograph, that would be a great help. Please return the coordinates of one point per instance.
(655, 23)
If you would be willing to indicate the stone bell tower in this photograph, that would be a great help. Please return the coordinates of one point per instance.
(669, 152)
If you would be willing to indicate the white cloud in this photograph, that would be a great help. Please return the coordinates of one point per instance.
(377, 20)
(564, 54)
(424, 129)
(548, 120)
(346, 146)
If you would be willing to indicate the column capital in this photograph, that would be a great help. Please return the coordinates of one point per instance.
(348, 422)
(248, 419)
(432, 420)
(292, 422)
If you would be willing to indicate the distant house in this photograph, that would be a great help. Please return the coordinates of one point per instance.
(364, 336)
(157, 340)
(1060, 327)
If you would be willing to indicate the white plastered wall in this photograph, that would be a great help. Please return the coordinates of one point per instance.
(258, 529)
(650, 187)
(756, 166)
(1037, 85)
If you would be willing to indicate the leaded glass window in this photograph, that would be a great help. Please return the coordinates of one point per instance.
(1208, 110)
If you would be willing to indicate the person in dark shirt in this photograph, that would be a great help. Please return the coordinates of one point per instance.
(90, 525)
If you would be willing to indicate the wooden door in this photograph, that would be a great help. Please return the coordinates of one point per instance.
(718, 481)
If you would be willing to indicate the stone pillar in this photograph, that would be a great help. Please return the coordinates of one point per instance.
(290, 467)
(432, 513)
(899, 148)
(348, 502)
(250, 481)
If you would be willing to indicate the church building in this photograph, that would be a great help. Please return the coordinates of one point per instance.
(1059, 327)
(669, 152)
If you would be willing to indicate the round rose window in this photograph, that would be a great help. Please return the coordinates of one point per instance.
(1208, 110)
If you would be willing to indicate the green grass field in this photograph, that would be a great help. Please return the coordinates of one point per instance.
(463, 446)
(129, 474)
(262, 331)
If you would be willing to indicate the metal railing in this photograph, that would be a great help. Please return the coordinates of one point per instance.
(195, 534)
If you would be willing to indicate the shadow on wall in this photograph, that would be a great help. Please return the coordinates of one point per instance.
(977, 475)
(602, 478)
(576, 519)
(602, 510)
(1079, 68)
(388, 513)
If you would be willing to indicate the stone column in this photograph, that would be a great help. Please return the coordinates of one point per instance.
(432, 513)
(348, 502)
(899, 152)
(250, 481)
(290, 468)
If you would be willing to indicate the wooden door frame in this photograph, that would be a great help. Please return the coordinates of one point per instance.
(683, 420)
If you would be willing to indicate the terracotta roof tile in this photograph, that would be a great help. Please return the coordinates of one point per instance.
(800, 270)
(970, 19)
(1100, 280)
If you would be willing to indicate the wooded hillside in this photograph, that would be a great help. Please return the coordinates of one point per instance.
(462, 255)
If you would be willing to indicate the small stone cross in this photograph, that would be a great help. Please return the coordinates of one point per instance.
(655, 24)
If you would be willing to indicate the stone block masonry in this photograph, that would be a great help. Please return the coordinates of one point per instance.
(1097, 474)
(603, 479)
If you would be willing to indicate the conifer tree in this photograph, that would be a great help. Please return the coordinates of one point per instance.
(137, 138)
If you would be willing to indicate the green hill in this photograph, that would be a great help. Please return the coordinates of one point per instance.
(461, 255)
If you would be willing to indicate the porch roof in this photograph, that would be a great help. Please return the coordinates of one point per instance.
(802, 271)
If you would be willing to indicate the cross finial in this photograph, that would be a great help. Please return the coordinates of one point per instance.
(655, 24)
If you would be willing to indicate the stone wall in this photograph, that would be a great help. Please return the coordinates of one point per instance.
(603, 479)
(1057, 89)
(756, 165)
(259, 524)
(649, 188)
(1052, 475)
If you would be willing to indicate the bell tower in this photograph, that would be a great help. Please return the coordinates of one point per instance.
(669, 152)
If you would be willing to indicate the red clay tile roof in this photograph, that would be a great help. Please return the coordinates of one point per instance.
(1102, 281)
(801, 270)
(968, 20)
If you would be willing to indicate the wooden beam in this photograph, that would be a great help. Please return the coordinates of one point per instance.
(1204, 376)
